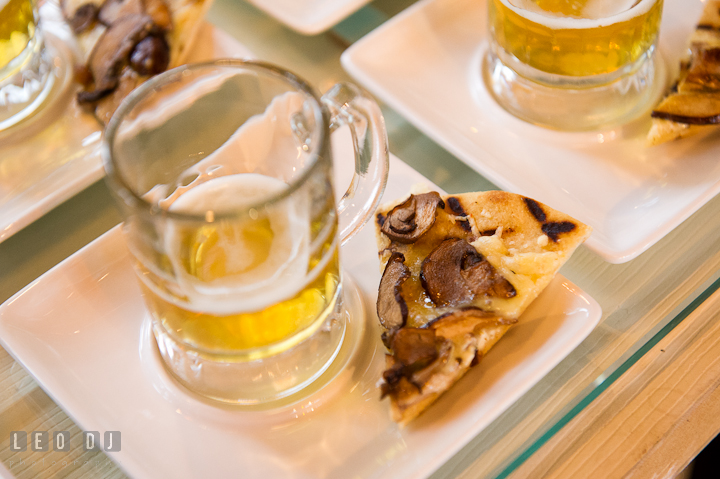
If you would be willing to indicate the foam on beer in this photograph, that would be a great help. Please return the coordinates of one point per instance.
(593, 14)
(258, 275)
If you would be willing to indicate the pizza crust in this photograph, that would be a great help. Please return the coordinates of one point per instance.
(187, 20)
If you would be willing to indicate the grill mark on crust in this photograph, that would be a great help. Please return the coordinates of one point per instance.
(553, 229)
(688, 120)
(535, 209)
(455, 206)
(476, 359)
(491, 232)
(705, 26)
(457, 209)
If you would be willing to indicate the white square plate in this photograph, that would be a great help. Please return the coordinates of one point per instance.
(81, 331)
(39, 173)
(425, 64)
(309, 17)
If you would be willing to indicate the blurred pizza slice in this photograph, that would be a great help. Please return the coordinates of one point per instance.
(125, 42)
(693, 103)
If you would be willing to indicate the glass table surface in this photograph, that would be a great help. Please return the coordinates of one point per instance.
(642, 300)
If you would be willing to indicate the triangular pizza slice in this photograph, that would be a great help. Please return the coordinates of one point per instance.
(458, 271)
(125, 42)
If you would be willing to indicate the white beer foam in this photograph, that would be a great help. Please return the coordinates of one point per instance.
(596, 13)
(281, 276)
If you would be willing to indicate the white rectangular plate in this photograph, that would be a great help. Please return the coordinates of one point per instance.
(309, 17)
(78, 331)
(425, 63)
(39, 173)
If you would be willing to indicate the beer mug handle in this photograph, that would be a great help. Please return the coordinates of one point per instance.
(348, 105)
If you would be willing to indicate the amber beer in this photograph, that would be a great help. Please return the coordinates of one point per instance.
(17, 28)
(576, 38)
(574, 65)
(251, 286)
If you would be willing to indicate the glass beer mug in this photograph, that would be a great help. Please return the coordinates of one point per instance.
(574, 64)
(25, 77)
(224, 174)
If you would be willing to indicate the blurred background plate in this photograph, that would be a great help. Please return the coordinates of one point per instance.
(309, 17)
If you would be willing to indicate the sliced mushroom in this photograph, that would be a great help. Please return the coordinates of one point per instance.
(409, 221)
(454, 273)
(441, 273)
(150, 56)
(77, 12)
(463, 321)
(391, 307)
(482, 278)
(442, 372)
(404, 375)
(113, 10)
(112, 53)
(84, 17)
(129, 80)
(414, 347)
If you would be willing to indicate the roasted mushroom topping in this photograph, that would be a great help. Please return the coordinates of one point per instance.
(151, 56)
(464, 321)
(418, 356)
(84, 17)
(454, 273)
(482, 278)
(112, 53)
(412, 219)
(391, 307)
(415, 347)
(113, 10)
(104, 109)
(80, 14)
(428, 359)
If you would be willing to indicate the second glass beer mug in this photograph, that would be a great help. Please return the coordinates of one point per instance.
(573, 64)
(225, 176)
(26, 76)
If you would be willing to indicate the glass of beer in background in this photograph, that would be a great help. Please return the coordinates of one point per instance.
(225, 177)
(573, 64)
(25, 67)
